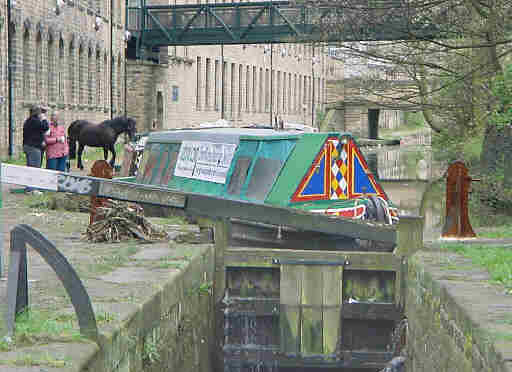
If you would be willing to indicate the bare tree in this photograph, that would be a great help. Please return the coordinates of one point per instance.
(448, 53)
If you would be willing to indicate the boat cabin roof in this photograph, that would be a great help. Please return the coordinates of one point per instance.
(288, 168)
(222, 135)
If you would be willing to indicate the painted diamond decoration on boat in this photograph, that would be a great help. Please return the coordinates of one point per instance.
(346, 177)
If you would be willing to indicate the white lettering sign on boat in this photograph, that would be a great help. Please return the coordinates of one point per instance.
(205, 161)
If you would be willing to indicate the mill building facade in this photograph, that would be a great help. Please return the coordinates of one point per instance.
(74, 56)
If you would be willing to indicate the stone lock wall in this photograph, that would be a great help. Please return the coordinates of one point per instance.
(452, 324)
(171, 331)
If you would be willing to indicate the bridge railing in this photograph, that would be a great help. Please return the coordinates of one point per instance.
(218, 15)
(266, 21)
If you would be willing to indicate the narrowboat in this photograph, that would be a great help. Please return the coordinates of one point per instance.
(316, 172)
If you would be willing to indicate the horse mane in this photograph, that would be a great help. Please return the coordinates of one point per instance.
(119, 124)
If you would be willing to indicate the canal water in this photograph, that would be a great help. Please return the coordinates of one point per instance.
(413, 181)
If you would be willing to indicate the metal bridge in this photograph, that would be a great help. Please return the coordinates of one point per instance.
(269, 22)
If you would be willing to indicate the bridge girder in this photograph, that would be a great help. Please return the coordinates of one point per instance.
(257, 23)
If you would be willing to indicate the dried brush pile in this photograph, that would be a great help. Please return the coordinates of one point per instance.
(122, 221)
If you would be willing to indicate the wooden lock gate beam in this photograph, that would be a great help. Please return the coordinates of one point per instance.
(196, 204)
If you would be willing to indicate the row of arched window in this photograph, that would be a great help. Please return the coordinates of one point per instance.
(72, 74)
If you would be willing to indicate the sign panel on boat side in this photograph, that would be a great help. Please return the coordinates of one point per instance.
(206, 161)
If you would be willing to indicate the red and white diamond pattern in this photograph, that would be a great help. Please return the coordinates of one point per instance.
(339, 170)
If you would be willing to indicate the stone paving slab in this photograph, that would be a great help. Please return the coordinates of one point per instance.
(155, 252)
(118, 277)
(486, 304)
(471, 241)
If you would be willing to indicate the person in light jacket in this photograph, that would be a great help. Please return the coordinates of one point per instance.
(57, 149)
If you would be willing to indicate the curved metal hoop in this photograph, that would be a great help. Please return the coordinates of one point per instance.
(22, 234)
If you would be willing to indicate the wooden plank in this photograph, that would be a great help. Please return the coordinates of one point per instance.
(398, 286)
(221, 237)
(273, 236)
(311, 301)
(369, 286)
(205, 205)
(218, 207)
(263, 257)
(252, 307)
(371, 311)
(403, 284)
(332, 293)
(289, 320)
(361, 311)
(141, 193)
(221, 233)
(240, 357)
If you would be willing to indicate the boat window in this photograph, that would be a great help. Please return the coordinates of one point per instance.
(263, 177)
(164, 160)
(239, 175)
(169, 172)
(149, 162)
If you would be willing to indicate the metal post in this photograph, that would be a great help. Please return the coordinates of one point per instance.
(1, 230)
(10, 67)
(271, 15)
(125, 48)
(111, 60)
(271, 86)
(313, 88)
(222, 114)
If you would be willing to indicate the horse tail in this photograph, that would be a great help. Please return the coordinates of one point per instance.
(72, 149)
(72, 138)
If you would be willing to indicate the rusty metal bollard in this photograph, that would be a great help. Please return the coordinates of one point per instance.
(100, 169)
(458, 186)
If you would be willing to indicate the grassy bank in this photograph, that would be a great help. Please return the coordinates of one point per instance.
(413, 123)
(496, 259)
(89, 156)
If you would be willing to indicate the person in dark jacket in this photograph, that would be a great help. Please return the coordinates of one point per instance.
(34, 130)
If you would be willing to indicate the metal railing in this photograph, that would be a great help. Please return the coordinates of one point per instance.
(265, 22)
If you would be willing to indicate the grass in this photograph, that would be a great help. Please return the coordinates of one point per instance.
(30, 360)
(171, 220)
(106, 263)
(497, 260)
(90, 155)
(37, 201)
(507, 320)
(105, 317)
(413, 123)
(41, 326)
(497, 232)
(34, 322)
(20, 160)
(171, 264)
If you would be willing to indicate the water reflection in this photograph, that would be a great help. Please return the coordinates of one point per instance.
(414, 181)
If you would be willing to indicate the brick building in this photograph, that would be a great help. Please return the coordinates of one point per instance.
(70, 56)
(67, 54)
